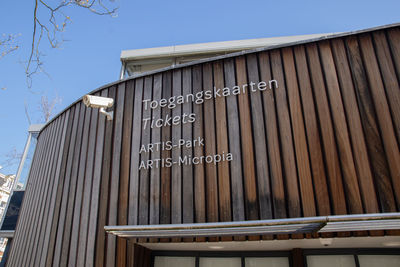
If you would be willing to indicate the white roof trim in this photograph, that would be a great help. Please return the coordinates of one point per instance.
(213, 47)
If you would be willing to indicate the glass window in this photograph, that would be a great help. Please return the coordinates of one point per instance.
(331, 261)
(21, 183)
(165, 261)
(379, 260)
(220, 262)
(267, 262)
(10, 220)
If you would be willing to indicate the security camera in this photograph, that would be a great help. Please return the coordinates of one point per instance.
(100, 102)
(92, 101)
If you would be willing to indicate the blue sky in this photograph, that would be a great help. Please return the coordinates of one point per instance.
(89, 58)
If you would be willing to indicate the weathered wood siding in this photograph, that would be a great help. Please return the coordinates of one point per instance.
(325, 141)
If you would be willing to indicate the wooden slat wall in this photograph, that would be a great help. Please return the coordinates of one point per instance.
(325, 141)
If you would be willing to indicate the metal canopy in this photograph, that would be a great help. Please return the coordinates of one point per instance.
(322, 224)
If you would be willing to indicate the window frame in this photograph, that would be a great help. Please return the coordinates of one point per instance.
(349, 251)
(222, 254)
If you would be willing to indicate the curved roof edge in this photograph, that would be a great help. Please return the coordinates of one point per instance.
(235, 54)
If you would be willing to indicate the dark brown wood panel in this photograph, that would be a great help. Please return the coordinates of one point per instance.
(165, 190)
(274, 151)
(258, 128)
(199, 169)
(374, 144)
(115, 169)
(341, 131)
(73, 250)
(299, 135)
(360, 153)
(95, 202)
(382, 112)
(155, 173)
(57, 189)
(328, 139)
(224, 183)
(144, 183)
(36, 234)
(125, 170)
(313, 129)
(247, 146)
(63, 183)
(101, 242)
(87, 190)
(187, 152)
(313, 135)
(176, 169)
(210, 149)
(393, 36)
(66, 192)
(389, 78)
(133, 212)
(286, 137)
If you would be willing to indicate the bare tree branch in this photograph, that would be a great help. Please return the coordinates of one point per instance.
(8, 44)
(12, 158)
(50, 21)
(46, 107)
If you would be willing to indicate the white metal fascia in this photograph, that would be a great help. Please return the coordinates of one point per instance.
(212, 47)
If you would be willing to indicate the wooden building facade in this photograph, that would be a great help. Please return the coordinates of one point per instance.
(304, 130)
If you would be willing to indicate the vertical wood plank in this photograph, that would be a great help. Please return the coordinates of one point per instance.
(373, 141)
(224, 187)
(394, 41)
(125, 170)
(198, 174)
(238, 212)
(66, 189)
(144, 183)
(57, 188)
(236, 172)
(247, 145)
(176, 169)
(313, 135)
(115, 172)
(382, 111)
(165, 207)
(133, 213)
(155, 172)
(95, 201)
(299, 136)
(87, 191)
(289, 164)
(36, 235)
(66, 237)
(64, 182)
(262, 168)
(328, 139)
(389, 78)
(341, 131)
(210, 149)
(187, 170)
(101, 242)
(274, 155)
(356, 132)
(74, 241)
